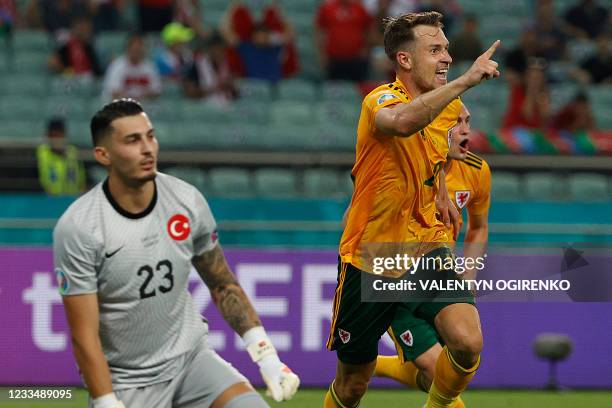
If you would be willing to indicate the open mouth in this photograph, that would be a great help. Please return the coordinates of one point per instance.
(463, 145)
(441, 74)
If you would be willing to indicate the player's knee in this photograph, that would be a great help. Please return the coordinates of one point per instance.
(247, 400)
(351, 390)
(466, 349)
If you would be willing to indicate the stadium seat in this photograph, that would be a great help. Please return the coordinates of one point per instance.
(73, 108)
(288, 112)
(335, 137)
(79, 133)
(561, 94)
(275, 182)
(601, 100)
(345, 91)
(588, 187)
(254, 90)
(21, 131)
(338, 112)
(300, 6)
(164, 109)
(25, 84)
(505, 186)
(68, 87)
(33, 62)
(321, 182)
(19, 107)
(309, 59)
(32, 40)
(346, 183)
(230, 182)
(196, 111)
(543, 186)
(191, 175)
(303, 23)
(252, 112)
(110, 45)
(288, 137)
(297, 90)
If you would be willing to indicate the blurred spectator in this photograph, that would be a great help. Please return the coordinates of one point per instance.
(280, 27)
(575, 116)
(154, 15)
(106, 14)
(77, 56)
(275, 40)
(58, 15)
(382, 68)
(466, 45)
(60, 171)
(516, 59)
(587, 19)
(344, 30)
(450, 9)
(390, 8)
(529, 98)
(209, 77)
(8, 15)
(598, 68)
(261, 55)
(550, 32)
(132, 74)
(174, 57)
(189, 13)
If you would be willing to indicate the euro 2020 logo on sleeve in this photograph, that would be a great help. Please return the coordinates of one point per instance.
(62, 281)
(385, 97)
(178, 227)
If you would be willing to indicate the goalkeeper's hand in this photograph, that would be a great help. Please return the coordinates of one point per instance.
(281, 382)
(107, 401)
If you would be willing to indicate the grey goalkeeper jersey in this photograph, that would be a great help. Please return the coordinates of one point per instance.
(139, 266)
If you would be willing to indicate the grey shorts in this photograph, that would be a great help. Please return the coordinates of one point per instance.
(202, 377)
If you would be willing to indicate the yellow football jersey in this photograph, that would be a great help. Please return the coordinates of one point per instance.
(469, 185)
(395, 179)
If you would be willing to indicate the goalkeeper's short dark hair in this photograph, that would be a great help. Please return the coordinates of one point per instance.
(119, 108)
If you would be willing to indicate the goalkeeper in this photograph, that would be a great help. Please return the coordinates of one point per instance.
(123, 253)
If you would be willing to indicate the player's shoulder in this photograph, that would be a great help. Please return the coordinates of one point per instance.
(80, 216)
(177, 187)
(384, 93)
(475, 163)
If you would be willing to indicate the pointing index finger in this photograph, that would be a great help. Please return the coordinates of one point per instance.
(489, 53)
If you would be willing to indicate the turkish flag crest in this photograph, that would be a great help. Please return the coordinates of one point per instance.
(178, 227)
(462, 198)
(344, 335)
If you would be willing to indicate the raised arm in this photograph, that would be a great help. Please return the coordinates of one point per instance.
(405, 119)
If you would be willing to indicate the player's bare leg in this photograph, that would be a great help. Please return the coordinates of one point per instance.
(459, 326)
(350, 385)
(238, 395)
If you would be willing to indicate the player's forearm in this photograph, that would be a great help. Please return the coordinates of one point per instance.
(425, 108)
(93, 365)
(229, 297)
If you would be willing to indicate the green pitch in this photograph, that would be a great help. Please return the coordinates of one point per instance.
(312, 398)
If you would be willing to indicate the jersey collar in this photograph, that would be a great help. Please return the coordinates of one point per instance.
(125, 213)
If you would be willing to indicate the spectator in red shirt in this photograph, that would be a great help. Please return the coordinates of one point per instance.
(154, 15)
(529, 99)
(344, 29)
(77, 55)
(8, 13)
(575, 116)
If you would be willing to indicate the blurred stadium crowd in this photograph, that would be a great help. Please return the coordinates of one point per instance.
(288, 76)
